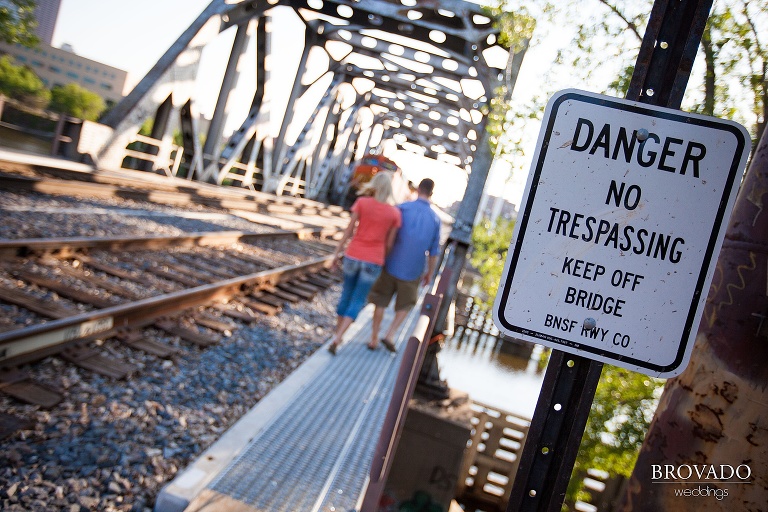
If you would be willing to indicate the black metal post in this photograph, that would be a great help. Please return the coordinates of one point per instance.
(555, 433)
(661, 74)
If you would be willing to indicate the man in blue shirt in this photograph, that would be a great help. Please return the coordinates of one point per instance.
(417, 243)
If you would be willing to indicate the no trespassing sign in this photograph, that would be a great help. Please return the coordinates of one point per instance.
(623, 216)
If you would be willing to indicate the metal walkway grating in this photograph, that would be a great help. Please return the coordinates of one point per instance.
(315, 454)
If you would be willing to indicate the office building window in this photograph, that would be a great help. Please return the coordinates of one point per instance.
(54, 69)
(106, 87)
(73, 75)
(89, 80)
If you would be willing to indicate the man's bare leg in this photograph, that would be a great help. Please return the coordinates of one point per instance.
(398, 320)
(378, 316)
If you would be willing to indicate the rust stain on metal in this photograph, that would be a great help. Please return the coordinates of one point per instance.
(758, 435)
(707, 424)
(729, 391)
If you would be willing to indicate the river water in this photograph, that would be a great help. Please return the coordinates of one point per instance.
(499, 374)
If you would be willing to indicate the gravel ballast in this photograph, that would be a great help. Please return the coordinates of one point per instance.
(112, 444)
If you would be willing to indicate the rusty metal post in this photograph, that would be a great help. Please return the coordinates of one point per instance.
(660, 77)
(714, 412)
(455, 252)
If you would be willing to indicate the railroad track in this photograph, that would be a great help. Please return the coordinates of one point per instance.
(77, 298)
(195, 287)
(77, 180)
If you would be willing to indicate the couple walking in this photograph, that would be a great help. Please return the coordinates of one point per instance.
(389, 248)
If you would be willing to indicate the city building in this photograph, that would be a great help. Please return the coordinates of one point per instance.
(46, 12)
(61, 66)
(57, 66)
(493, 208)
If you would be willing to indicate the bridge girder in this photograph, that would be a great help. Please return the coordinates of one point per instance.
(406, 65)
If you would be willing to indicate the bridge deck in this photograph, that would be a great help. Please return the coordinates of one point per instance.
(308, 444)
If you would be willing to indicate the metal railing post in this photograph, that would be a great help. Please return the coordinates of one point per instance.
(394, 420)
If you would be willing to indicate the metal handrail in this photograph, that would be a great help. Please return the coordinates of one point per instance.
(394, 420)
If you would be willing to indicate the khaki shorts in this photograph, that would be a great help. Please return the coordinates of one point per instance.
(386, 286)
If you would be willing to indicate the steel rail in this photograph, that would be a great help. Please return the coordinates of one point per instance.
(16, 166)
(179, 197)
(26, 246)
(41, 340)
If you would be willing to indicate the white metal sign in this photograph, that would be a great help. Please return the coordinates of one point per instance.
(622, 220)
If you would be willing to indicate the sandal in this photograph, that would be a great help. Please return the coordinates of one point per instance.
(389, 345)
(371, 347)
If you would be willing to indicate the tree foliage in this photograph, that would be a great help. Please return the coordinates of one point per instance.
(21, 83)
(18, 22)
(618, 421)
(489, 250)
(728, 79)
(73, 100)
(515, 32)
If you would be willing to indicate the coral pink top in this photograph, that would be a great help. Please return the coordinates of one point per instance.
(375, 219)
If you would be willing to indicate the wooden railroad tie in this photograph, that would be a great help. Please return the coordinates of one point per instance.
(20, 386)
(196, 337)
(35, 304)
(92, 359)
(137, 340)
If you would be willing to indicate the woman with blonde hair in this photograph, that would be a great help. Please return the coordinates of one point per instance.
(371, 232)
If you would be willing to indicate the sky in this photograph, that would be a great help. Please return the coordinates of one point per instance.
(133, 35)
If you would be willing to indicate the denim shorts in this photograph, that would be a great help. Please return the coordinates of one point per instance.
(359, 276)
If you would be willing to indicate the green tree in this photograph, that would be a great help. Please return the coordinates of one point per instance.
(515, 32)
(18, 22)
(729, 80)
(73, 100)
(489, 250)
(21, 83)
(618, 420)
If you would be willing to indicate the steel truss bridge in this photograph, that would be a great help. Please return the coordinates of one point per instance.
(419, 75)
